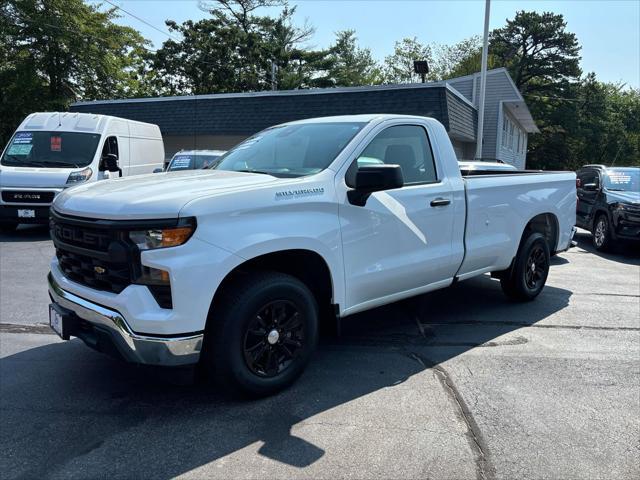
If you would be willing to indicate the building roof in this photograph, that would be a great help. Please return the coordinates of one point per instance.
(248, 113)
(518, 107)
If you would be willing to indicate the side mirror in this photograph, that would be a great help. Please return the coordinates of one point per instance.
(590, 187)
(110, 163)
(374, 178)
(157, 170)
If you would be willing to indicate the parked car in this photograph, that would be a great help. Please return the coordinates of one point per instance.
(52, 151)
(609, 204)
(235, 267)
(194, 159)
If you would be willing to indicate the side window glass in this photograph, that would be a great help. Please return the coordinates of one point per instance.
(404, 145)
(110, 146)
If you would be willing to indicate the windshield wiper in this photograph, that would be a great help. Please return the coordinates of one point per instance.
(61, 164)
(251, 170)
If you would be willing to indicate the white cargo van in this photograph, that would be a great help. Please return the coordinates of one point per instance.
(52, 151)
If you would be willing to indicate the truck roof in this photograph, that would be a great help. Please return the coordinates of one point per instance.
(366, 118)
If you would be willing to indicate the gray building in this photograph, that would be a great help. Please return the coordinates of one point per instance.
(219, 121)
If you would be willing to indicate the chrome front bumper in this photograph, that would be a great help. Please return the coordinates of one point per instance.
(136, 348)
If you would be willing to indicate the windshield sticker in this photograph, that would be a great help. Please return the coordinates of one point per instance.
(22, 138)
(56, 144)
(300, 193)
(619, 178)
(20, 149)
(183, 161)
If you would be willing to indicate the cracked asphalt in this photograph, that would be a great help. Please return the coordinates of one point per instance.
(456, 384)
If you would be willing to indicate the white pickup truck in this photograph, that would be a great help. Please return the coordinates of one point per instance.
(235, 267)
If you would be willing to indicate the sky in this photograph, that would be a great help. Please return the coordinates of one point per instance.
(608, 30)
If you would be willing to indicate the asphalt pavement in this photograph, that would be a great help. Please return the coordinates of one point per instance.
(455, 384)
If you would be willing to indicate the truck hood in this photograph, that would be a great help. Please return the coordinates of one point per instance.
(156, 195)
(623, 197)
(33, 177)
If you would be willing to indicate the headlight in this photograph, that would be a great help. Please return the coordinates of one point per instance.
(79, 177)
(161, 237)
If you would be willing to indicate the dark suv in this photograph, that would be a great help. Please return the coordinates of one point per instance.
(609, 203)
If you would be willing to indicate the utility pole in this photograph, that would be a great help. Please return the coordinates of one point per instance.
(483, 81)
(274, 80)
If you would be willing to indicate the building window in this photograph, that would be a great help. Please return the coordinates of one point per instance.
(505, 131)
(511, 139)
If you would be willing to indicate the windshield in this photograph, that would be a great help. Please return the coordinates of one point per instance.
(291, 150)
(191, 162)
(622, 179)
(51, 149)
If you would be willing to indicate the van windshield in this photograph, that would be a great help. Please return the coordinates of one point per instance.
(51, 149)
(290, 150)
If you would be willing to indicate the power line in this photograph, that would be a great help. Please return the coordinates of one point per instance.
(142, 20)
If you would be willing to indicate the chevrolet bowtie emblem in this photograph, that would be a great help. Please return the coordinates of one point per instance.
(99, 270)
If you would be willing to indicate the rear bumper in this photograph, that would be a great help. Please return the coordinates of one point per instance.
(106, 330)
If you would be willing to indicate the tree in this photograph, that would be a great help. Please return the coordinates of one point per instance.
(351, 65)
(398, 68)
(541, 56)
(57, 51)
(233, 51)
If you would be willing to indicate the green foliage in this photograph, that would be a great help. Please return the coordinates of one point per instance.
(581, 121)
(351, 65)
(398, 67)
(541, 56)
(57, 51)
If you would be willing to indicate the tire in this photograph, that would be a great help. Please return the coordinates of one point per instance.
(8, 226)
(526, 278)
(261, 334)
(601, 234)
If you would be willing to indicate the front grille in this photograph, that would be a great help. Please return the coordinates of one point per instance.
(101, 275)
(10, 196)
(98, 256)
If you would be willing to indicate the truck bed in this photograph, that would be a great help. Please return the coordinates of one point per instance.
(499, 203)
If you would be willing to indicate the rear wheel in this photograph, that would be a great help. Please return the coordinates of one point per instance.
(601, 235)
(528, 274)
(262, 334)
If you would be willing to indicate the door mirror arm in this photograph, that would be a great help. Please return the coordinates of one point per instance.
(109, 163)
(375, 178)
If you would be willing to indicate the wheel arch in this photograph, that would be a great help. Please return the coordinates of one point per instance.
(308, 266)
(547, 224)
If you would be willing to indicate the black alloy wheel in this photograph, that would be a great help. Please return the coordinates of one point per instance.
(274, 338)
(537, 266)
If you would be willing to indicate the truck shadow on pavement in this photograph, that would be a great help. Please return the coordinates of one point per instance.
(70, 412)
(626, 252)
(26, 233)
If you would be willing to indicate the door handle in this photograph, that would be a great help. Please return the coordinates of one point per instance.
(440, 202)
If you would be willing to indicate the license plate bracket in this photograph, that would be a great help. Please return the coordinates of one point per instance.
(57, 322)
(26, 213)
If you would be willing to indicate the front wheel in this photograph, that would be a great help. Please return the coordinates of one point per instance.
(528, 275)
(262, 333)
(601, 234)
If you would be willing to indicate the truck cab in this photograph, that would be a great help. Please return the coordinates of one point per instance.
(52, 151)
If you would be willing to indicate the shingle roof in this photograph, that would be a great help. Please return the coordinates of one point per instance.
(247, 113)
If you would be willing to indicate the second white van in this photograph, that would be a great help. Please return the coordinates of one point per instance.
(52, 151)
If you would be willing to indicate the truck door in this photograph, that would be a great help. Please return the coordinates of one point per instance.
(401, 240)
